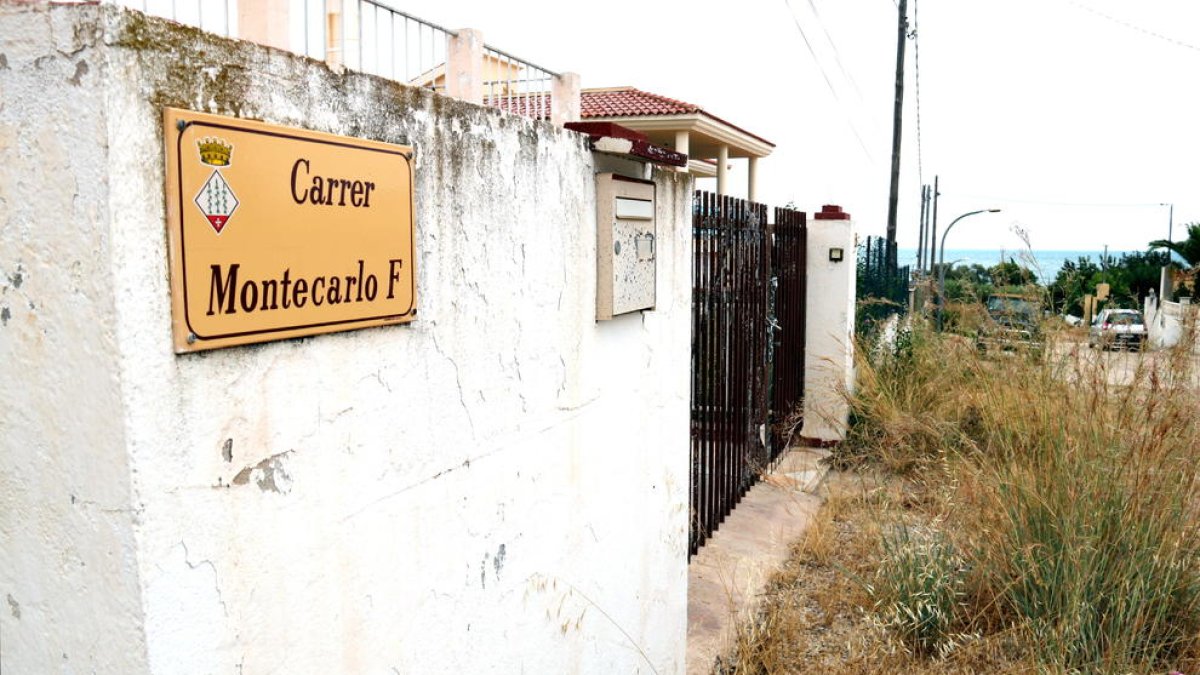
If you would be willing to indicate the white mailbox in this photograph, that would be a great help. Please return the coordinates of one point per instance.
(626, 245)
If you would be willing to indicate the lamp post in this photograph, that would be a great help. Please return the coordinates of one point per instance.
(1170, 219)
(942, 261)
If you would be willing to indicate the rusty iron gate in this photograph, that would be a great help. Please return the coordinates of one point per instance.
(730, 335)
(740, 402)
(789, 251)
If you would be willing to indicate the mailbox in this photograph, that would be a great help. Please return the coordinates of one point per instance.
(626, 245)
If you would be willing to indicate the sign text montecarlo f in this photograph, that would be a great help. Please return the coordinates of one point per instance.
(278, 232)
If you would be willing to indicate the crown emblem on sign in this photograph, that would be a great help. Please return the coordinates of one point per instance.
(215, 151)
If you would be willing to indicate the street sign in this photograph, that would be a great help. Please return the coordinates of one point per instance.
(277, 232)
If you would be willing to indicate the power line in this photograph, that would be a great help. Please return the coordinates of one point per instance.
(837, 57)
(829, 83)
(1135, 27)
(1041, 202)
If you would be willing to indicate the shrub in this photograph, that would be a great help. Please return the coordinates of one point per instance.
(918, 591)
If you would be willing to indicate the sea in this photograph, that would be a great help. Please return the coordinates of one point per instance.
(1045, 264)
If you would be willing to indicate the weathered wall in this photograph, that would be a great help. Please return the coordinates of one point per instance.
(68, 572)
(500, 486)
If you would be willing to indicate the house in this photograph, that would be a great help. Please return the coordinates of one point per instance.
(709, 141)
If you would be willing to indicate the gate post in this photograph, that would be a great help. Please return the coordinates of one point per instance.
(829, 330)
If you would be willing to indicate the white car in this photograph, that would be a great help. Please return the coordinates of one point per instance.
(1121, 328)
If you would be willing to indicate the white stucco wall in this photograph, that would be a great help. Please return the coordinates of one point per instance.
(68, 552)
(1169, 324)
(500, 486)
(829, 331)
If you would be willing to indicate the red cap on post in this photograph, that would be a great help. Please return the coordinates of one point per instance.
(831, 212)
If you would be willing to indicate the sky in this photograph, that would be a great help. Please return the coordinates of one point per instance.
(1077, 118)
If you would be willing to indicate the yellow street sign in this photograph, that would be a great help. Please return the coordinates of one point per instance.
(278, 232)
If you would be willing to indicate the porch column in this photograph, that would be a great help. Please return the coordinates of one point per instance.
(722, 170)
(265, 22)
(335, 54)
(464, 66)
(752, 179)
(682, 143)
(341, 34)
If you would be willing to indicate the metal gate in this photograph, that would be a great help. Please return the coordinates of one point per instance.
(789, 253)
(738, 417)
(730, 279)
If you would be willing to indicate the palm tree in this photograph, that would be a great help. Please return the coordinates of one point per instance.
(1188, 249)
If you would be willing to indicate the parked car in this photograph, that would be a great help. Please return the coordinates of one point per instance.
(1120, 328)
(1012, 323)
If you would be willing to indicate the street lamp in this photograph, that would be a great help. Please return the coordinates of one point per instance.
(1170, 220)
(942, 260)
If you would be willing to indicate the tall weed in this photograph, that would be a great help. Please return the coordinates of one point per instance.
(1073, 501)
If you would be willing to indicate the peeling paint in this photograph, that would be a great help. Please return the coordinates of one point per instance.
(227, 450)
(268, 474)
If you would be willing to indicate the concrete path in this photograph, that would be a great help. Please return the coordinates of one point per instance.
(726, 577)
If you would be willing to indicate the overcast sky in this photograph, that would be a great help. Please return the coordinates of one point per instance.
(1067, 114)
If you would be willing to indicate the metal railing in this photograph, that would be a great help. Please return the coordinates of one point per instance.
(515, 85)
(214, 16)
(372, 37)
(384, 41)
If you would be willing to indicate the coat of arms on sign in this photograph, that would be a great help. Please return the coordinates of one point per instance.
(216, 199)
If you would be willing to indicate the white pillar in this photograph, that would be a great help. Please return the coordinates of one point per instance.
(683, 141)
(723, 170)
(752, 179)
(829, 329)
(464, 65)
(266, 22)
(565, 105)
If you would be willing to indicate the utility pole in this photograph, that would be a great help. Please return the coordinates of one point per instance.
(933, 226)
(897, 124)
(921, 230)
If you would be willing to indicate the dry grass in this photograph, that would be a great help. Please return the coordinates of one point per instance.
(1005, 514)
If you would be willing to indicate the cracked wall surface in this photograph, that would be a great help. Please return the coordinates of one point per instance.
(499, 486)
(67, 517)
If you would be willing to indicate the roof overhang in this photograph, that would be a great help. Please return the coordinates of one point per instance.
(617, 139)
(706, 133)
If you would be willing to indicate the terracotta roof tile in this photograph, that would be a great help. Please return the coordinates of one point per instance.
(630, 101)
(614, 102)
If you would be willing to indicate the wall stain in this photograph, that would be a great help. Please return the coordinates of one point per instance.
(5, 315)
(227, 450)
(3, 62)
(14, 607)
(498, 561)
(81, 69)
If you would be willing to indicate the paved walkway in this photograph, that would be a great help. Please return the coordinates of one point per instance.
(726, 577)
